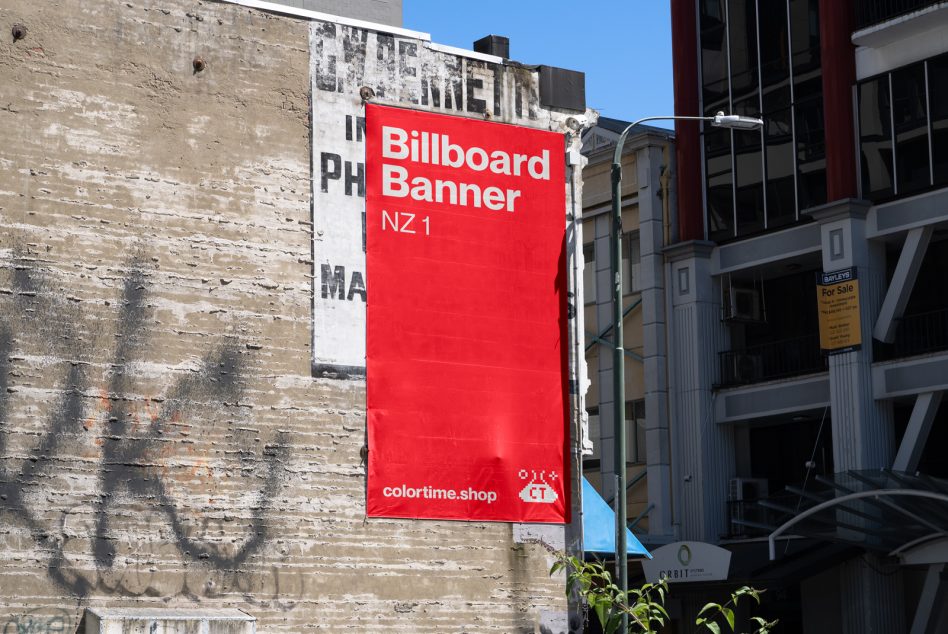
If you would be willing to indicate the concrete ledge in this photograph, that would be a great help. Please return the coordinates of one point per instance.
(772, 398)
(908, 213)
(771, 247)
(168, 621)
(910, 376)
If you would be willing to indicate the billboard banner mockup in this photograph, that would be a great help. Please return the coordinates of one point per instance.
(466, 324)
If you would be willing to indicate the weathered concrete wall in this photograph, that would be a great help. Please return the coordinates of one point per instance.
(162, 440)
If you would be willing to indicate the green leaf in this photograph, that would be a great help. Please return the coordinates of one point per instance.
(729, 616)
(614, 622)
(709, 606)
(714, 627)
(601, 608)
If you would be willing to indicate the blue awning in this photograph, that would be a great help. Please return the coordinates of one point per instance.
(599, 526)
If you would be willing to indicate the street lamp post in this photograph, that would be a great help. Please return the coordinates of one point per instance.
(721, 120)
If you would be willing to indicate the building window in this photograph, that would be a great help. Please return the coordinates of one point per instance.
(720, 184)
(781, 163)
(760, 180)
(875, 138)
(811, 153)
(938, 107)
(714, 61)
(595, 435)
(903, 130)
(910, 116)
(634, 434)
(749, 176)
(635, 431)
(631, 256)
(589, 273)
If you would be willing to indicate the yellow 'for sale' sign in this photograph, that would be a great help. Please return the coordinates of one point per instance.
(837, 297)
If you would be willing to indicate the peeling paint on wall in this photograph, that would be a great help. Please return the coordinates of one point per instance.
(399, 71)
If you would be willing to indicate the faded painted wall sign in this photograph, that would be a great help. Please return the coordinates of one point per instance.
(837, 297)
(466, 326)
(400, 70)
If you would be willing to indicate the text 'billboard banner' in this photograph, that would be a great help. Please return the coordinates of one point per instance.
(466, 337)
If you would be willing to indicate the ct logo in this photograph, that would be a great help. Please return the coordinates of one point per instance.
(537, 490)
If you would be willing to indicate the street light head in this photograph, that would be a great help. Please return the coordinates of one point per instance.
(736, 122)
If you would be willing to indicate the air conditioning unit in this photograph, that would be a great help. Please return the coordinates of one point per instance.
(747, 489)
(747, 368)
(742, 303)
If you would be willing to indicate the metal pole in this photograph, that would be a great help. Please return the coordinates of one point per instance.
(618, 361)
(618, 383)
(618, 372)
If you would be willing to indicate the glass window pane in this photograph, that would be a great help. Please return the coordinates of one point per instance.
(775, 98)
(742, 31)
(938, 97)
(594, 434)
(714, 70)
(774, 56)
(807, 84)
(630, 260)
(635, 431)
(910, 115)
(805, 34)
(589, 273)
(805, 45)
(712, 12)
(714, 56)
(875, 138)
(750, 181)
(778, 140)
(811, 153)
(720, 195)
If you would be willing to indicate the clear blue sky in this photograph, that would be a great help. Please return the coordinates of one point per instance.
(623, 46)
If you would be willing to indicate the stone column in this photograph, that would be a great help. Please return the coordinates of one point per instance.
(604, 286)
(704, 451)
(649, 161)
(863, 431)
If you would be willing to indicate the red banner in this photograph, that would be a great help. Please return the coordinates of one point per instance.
(466, 336)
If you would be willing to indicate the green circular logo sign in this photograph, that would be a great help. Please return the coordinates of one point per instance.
(684, 555)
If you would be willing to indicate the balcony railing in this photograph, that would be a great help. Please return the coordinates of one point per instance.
(921, 333)
(748, 519)
(775, 360)
(870, 12)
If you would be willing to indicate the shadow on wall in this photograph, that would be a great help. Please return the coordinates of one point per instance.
(123, 494)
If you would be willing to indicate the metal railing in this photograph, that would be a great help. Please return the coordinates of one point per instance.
(748, 519)
(870, 12)
(775, 360)
(921, 333)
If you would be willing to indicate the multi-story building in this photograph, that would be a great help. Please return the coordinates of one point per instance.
(182, 412)
(818, 463)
